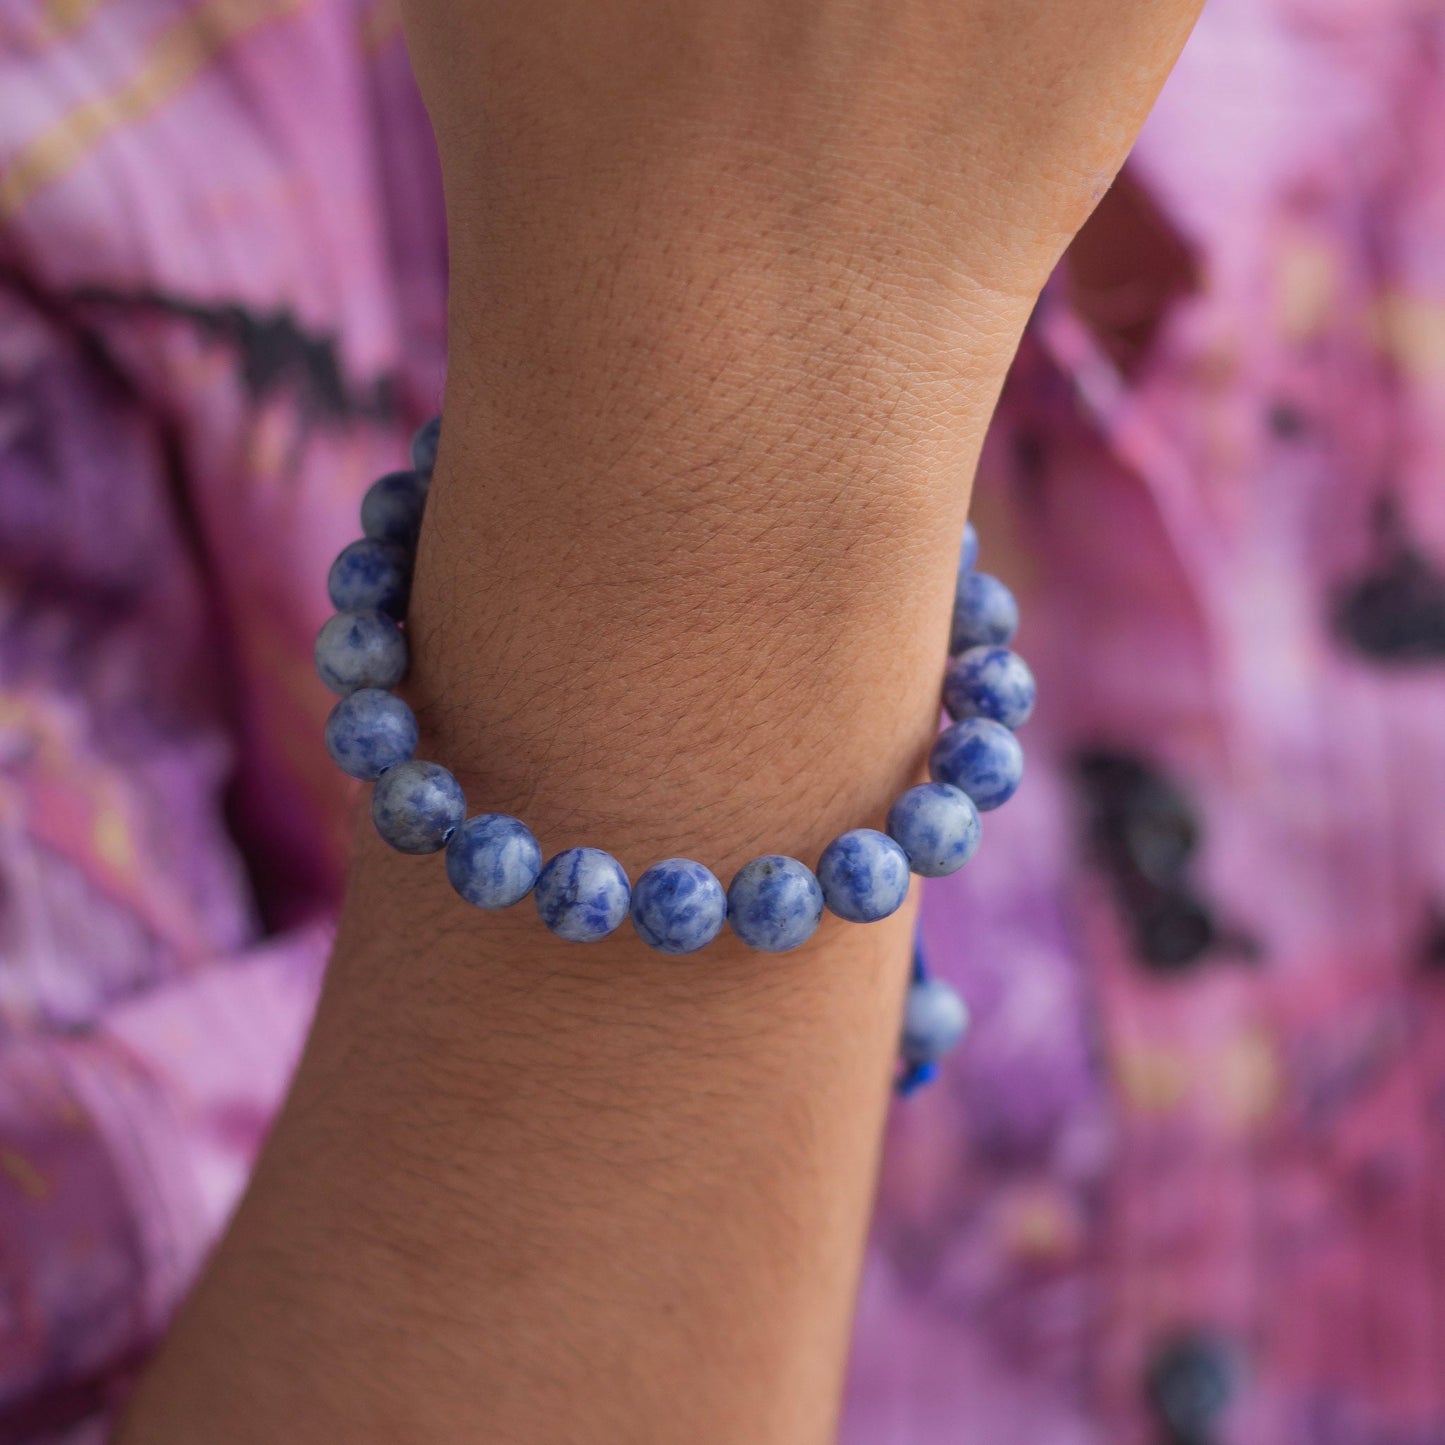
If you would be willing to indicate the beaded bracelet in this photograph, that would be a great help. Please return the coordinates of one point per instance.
(773, 903)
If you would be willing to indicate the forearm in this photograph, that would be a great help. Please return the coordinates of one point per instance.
(716, 389)
(533, 1191)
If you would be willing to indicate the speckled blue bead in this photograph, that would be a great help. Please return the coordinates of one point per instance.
(360, 649)
(982, 758)
(774, 903)
(493, 860)
(990, 682)
(984, 612)
(416, 807)
(934, 1019)
(937, 826)
(424, 446)
(864, 875)
(392, 508)
(369, 732)
(370, 574)
(678, 906)
(968, 557)
(582, 894)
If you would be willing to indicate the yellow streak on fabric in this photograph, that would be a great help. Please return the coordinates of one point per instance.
(33, 1184)
(111, 837)
(1309, 285)
(1153, 1080)
(1410, 329)
(380, 24)
(177, 56)
(64, 17)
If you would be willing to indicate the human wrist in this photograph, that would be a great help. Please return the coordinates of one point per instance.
(670, 583)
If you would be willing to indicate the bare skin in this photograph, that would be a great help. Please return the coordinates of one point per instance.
(734, 288)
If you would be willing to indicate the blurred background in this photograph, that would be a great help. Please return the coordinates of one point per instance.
(1184, 1184)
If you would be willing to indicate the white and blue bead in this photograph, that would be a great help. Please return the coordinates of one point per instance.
(980, 757)
(938, 828)
(370, 731)
(391, 510)
(968, 554)
(934, 1018)
(417, 806)
(774, 903)
(493, 860)
(370, 575)
(360, 649)
(984, 613)
(678, 906)
(989, 682)
(424, 446)
(864, 876)
(583, 894)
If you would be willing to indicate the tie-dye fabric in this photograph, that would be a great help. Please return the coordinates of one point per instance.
(1185, 1182)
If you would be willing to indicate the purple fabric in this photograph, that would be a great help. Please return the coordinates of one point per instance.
(1201, 1115)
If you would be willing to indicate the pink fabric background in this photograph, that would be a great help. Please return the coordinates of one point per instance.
(222, 279)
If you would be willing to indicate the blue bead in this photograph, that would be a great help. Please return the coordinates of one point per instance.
(493, 860)
(984, 612)
(370, 575)
(968, 557)
(360, 649)
(678, 906)
(989, 682)
(982, 758)
(774, 903)
(915, 1076)
(417, 806)
(937, 826)
(392, 508)
(934, 1019)
(369, 732)
(424, 446)
(582, 894)
(863, 875)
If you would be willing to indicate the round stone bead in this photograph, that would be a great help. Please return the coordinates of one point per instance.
(863, 875)
(934, 1019)
(417, 806)
(982, 758)
(370, 575)
(360, 649)
(774, 903)
(990, 682)
(968, 557)
(392, 508)
(937, 826)
(369, 732)
(493, 860)
(678, 906)
(582, 894)
(984, 613)
(424, 446)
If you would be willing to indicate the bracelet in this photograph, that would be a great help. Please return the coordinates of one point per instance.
(774, 903)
